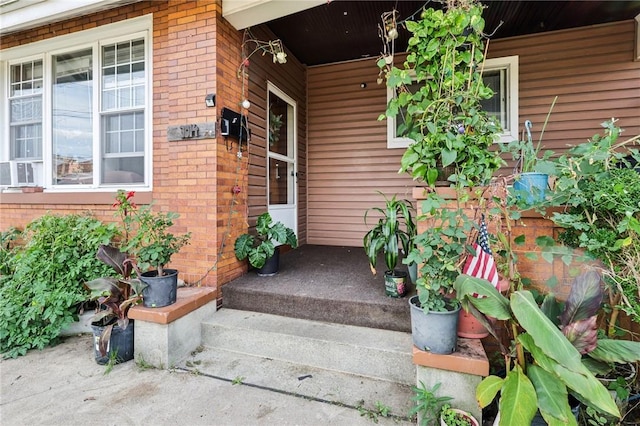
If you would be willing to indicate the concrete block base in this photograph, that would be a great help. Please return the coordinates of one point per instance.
(165, 335)
(458, 374)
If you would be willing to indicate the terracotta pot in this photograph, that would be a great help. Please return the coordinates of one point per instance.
(470, 327)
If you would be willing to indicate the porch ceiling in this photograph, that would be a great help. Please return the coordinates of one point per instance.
(345, 29)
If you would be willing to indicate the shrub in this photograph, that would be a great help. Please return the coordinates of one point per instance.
(46, 285)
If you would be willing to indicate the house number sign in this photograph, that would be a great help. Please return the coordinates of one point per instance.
(194, 131)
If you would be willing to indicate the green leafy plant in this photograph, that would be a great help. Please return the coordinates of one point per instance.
(260, 247)
(549, 343)
(444, 115)
(8, 241)
(43, 293)
(441, 250)
(599, 190)
(453, 417)
(395, 229)
(428, 405)
(146, 233)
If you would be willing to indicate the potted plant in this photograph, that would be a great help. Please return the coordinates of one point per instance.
(394, 231)
(112, 330)
(532, 169)
(148, 241)
(455, 417)
(441, 250)
(260, 249)
(549, 343)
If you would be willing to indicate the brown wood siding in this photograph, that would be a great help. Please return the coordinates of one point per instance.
(348, 156)
(291, 79)
(590, 69)
(592, 72)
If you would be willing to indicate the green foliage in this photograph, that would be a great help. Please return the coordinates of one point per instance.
(388, 236)
(380, 410)
(260, 247)
(452, 417)
(147, 236)
(440, 251)
(41, 295)
(547, 362)
(7, 250)
(428, 405)
(444, 116)
(598, 183)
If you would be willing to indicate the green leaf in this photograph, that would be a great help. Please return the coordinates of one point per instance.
(619, 351)
(487, 390)
(448, 157)
(518, 402)
(553, 399)
(492, 303)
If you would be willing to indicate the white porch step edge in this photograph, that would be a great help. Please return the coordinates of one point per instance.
(368, 352)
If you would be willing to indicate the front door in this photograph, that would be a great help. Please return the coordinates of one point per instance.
(281, 157)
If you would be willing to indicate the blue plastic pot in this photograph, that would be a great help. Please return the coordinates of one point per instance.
(532, 187)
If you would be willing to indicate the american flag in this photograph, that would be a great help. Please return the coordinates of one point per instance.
(481, 265)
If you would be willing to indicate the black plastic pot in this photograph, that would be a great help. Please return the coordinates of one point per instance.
(120, 344)
(160, 291)
(395, 283)
(271, 266)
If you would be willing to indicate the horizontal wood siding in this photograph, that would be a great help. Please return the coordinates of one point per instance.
(592, 72)
(291, 79)
(590, 69)
(348, 156)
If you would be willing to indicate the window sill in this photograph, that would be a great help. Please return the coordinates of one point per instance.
(67, 198)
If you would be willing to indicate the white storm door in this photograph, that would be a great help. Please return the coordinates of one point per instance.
(282, 188)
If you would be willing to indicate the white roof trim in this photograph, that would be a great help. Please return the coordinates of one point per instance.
(246, 13)
(24, 14)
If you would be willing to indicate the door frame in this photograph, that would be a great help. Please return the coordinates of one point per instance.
(279, 212)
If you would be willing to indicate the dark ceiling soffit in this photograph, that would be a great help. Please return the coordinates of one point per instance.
(345, 30)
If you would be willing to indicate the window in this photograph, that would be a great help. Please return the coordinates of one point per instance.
(501, 75)
(80, 105)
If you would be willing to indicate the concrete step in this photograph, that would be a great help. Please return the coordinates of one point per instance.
(339, 364)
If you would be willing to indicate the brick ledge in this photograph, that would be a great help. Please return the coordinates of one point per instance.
(469, 358)
(188, 300)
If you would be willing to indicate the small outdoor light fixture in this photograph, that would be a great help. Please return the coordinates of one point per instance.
(210, 100)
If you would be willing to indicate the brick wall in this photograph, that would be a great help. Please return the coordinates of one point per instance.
(195, 52)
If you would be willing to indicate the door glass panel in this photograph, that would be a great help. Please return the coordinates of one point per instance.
(279, 177)
(279, 137)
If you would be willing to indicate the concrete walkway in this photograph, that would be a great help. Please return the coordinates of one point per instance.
(63, 385)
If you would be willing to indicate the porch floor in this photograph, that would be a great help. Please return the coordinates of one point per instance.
(322, 283)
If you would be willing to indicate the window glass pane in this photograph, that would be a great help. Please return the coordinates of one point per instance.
(137, 50)
(25, 111)
(72, 123)
(127, 74)
(123, 160)
(278, 181)
(109, 56)
(402, 113)
(123, 52)
(496, 106)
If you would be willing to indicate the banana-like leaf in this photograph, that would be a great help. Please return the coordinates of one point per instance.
(103, 341)
(552, 308)
(545, 334)
(487, 390)
(581, 382)
(490, 302)
(553, 399)
(613, 350)
(584, 298)
(113, 257)
(518, 402)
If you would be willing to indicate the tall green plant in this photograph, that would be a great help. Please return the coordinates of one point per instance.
(41, 295)
(388, 234)
(548, 343)
(444, 116)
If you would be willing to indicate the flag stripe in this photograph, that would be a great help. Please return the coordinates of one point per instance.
(481, 264)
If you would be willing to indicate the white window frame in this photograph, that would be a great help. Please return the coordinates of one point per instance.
(510, 65)
(140, 27)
